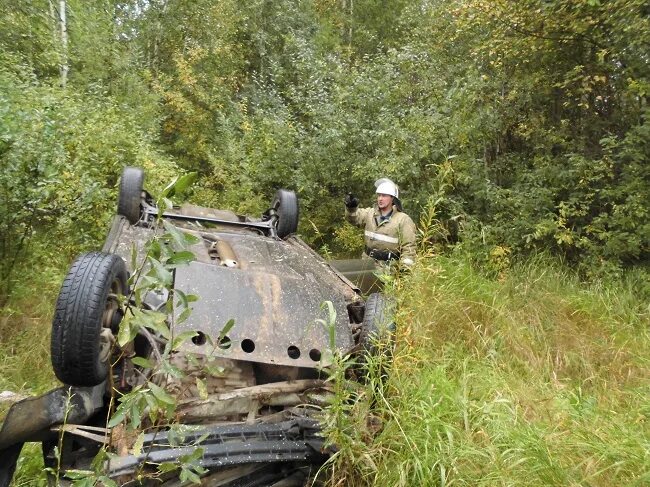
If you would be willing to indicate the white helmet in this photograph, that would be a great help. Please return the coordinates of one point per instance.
(386, 186)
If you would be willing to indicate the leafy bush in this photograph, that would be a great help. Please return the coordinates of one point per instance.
(61, 156)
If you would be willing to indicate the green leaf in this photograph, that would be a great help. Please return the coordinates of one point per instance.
(330, 325)
(179, 185)
(182, 338)
(118, 416)
(226, 329)
(169, 189)
(87, 481)
(180, 238)
(152, 404)
(159, 272)
(184, 299)
(174, 235)
(201, 439)
(184, 182)
(190, 239)
(181, 298)
(143, 362)
(106, 482)
(137, 446)
(128, 329)
(157, 322)
(187, 312)
(138, 293)
(183, 257)
(100, 459)
(166, 467)
(79, 474)
(146, 283)
(202, 388)
(154, 249)
(134, 257)
(175, 437)
(189, 475)
(193, 457)
(161, 394)
(135, 414)
(192, 360)
(167, 368)
(215, 370)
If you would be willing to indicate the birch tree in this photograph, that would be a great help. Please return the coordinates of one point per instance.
(60, 34)
(63, 25)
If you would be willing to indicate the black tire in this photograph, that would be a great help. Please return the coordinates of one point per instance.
(8, 462)
(285, 204)
(378, 324)
(130, 196)
(87, 303)
(376, 342)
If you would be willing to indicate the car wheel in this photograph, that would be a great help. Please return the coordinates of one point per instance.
(87, 313)
(130, 195)
(378, 323)
(8, 462)
(285, 204)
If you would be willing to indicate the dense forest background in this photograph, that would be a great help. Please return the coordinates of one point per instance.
(514, 126)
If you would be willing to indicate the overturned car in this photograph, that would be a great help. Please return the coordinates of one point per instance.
(243, 375)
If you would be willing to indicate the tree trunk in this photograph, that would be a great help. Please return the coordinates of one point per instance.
(63, 23)
(347, 7)
(351, 5)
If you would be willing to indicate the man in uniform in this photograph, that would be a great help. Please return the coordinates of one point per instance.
(389, 232)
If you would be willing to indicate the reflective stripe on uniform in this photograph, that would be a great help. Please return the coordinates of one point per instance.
(381, 237)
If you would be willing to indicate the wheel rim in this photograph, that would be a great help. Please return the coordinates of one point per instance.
(111, 309)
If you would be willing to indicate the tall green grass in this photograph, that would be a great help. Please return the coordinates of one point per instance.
(25, 366)
(25, 325)
(532, 378)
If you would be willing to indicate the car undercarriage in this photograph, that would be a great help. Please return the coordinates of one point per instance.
(246, 386)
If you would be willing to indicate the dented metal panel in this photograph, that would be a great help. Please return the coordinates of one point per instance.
(275, 315)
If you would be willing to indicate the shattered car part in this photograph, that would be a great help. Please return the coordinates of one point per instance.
(237, 444)
(31, 418)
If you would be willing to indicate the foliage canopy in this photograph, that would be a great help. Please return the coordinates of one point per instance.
(524, 123)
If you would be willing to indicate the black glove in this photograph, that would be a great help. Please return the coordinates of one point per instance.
(351, 201)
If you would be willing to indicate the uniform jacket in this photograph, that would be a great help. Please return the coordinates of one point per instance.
(397, 233)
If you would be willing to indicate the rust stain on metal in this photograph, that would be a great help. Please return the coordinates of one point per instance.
(269, 289)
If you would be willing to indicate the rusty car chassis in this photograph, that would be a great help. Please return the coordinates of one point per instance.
(256, 417)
